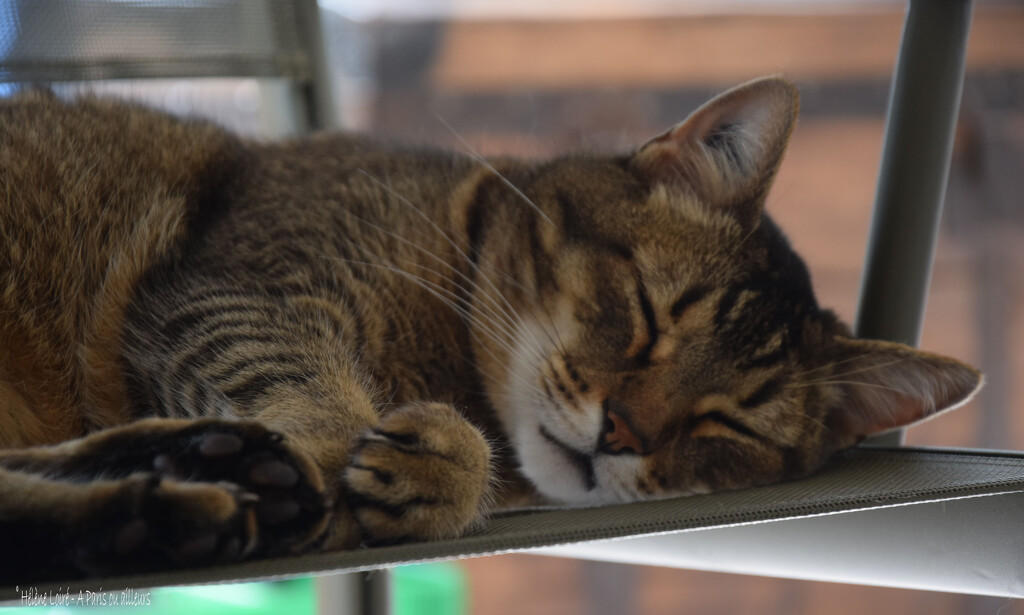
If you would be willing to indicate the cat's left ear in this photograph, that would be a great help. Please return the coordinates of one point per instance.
(884, 385)
(727, 151)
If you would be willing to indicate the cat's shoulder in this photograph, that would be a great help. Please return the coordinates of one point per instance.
(39, 114)
(108, 137)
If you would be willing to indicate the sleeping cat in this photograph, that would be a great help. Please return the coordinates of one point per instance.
(214, 349)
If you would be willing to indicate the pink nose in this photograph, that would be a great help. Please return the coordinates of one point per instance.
(618, 437)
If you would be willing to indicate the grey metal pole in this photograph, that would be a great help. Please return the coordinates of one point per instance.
(316, 96)
(922, 115)
(355, 593)
(377, 592)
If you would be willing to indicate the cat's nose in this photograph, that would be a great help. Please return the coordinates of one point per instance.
(617, 437)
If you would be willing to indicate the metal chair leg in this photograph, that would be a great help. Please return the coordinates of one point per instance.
(923, 109)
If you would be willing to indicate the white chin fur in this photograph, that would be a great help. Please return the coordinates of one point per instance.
(549, 469)
(545, 464)
(559, 478)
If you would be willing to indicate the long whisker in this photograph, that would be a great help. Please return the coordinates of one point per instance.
(869, 368)
(490, 318)
(496, 314)
(850, 382)
(450, 299)
(509, 309)
(510, 313)
(828, 366)
(496, 310)
(746, 237)
(552, 333)
(476, 156)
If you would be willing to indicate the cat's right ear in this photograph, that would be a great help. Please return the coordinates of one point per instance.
(727, 152)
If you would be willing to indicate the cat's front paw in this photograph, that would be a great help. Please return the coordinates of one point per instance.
(146, 523)
(421, 474)
(286, 487)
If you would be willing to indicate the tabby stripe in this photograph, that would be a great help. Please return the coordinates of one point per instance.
(571, 229)
(643, 358)
(687, 299)
(283, 236)
(212, 292)
(219, 372)
(189, 359)
(726, 303)
(185, 401)
(287, 251)
(476, 217)
(250, 322)
(142, 389)
(740, 428)
(170, 395)
(284, 261)
(394, 510)
(257, 385)
(769, 359)
(567, 214)
(765, 393)
(541, 260)
(547, 390)
(201, 400)
(222, 341)
(352, 260)
(184, 323)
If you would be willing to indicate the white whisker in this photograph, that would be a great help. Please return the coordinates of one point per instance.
(472, 152)
(508, 310)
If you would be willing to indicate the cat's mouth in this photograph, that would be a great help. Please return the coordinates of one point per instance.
(581, 461)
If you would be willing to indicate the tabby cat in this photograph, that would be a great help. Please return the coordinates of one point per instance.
(214, 349)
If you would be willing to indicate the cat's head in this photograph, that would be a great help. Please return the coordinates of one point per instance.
(667, 339)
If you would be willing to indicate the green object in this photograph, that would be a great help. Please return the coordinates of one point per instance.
(429, 589)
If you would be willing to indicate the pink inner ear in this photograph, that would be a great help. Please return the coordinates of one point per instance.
(754, 119)
(881, 413)
(884, 385)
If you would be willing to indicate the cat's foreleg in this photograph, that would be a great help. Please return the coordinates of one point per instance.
(52, 529)
(390, 473)
(157, 493)
(414, 472)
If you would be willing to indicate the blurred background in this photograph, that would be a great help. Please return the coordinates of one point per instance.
(536, 78)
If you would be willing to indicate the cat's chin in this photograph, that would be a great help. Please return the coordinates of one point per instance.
(564, 475)
(558, 472)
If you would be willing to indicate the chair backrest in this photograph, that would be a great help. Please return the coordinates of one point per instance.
(47, 41)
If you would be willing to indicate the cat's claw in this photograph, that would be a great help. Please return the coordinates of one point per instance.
(421, 474)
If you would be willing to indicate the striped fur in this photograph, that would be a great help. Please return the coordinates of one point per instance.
(313, 344)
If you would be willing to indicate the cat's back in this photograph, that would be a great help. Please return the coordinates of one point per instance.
(92, 193)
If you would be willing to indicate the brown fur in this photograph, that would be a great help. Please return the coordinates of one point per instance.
(433, 335)
(89, 205)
